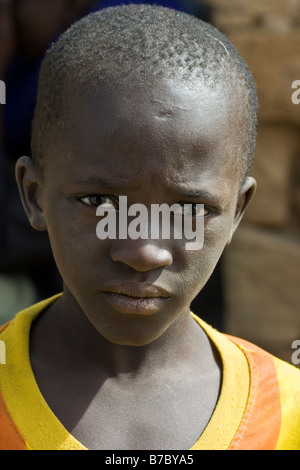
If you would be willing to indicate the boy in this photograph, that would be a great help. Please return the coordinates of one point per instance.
(154, 105)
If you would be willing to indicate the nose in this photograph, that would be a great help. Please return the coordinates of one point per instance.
(141, 255)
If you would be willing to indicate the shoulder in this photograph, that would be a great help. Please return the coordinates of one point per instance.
(275, 394)
(262, 362)
(289, 386)
(15, 374)
(10, 437)
(271, 405)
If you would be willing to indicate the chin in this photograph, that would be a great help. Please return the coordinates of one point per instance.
(132, 330)
(131, 335)
(130, 342)
(131, 339)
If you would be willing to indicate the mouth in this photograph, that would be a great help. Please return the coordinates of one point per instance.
(136, 298)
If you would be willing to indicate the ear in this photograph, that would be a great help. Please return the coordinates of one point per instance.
(29, 181)
(246, 193)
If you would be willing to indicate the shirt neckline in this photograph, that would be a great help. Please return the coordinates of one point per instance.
(42, 430)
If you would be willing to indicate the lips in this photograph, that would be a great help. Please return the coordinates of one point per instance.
(138, 290)
(136, 298)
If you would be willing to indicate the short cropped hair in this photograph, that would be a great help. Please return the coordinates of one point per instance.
(139, 43)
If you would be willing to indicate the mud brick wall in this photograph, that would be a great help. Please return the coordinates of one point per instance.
(262, 265)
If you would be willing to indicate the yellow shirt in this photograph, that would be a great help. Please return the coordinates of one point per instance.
(258, 407)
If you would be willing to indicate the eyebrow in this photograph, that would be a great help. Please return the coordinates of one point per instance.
(198, 193)
(97, 181)
(189, 193)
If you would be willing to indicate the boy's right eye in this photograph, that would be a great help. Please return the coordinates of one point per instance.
(98, 200)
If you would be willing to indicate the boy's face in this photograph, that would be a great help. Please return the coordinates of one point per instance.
(167, 144)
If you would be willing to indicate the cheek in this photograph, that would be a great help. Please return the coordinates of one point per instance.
(199, 264)
(216, 235)
(76, 248)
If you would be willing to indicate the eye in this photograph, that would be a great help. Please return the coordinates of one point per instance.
(194, 210)
(98, 200)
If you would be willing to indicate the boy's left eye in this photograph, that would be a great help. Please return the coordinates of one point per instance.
(194, 210)
(98, 200)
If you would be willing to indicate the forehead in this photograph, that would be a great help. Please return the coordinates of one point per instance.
(167, 126)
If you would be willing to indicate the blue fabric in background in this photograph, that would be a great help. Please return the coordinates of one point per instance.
(177, 4)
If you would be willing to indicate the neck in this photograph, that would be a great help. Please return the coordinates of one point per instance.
(77, 342)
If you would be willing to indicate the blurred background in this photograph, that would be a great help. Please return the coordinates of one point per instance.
(261, 269)
(255, 290)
